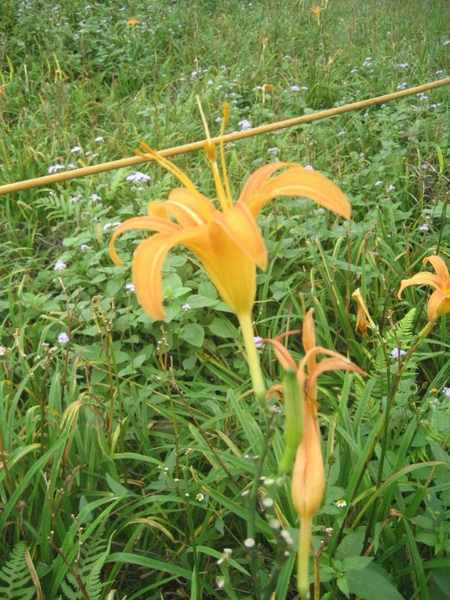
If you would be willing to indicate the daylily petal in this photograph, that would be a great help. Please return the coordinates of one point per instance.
(308, 477)
(256, 180)
(240, 225)
(423, 278)
(309, 341)
(198, 202)
(439, 266)
(298, 181)
(363, 318)
(148, 262)
(283, 355)
(438, 305)
(152, 223)
(146, 273)
(231, 271)
(338, 363)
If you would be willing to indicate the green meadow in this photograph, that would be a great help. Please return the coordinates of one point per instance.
(135, 461)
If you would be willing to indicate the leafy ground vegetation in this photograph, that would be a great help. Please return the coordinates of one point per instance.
(130, 448)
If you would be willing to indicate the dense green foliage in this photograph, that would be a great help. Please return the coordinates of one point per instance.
(126, 444)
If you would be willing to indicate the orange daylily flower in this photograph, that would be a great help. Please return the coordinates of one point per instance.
(439, 302)
(227, 242)
(308, 477)
(317, 10)
(363, 318)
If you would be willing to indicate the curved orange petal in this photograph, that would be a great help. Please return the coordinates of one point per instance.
(308, 476)
(297, 181)
(149, 258)
(439, 266)
(423, 278)
(152, 223)
(438, 305)
(256, 180)
(146, 273)
(232, 272)
(239, 224)
(283, 355)
(337, 363)
(197, 203)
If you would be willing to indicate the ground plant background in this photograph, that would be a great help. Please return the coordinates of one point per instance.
(126, 444)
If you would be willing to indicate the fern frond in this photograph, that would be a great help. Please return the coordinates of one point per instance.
(88, 570)
(16, 576)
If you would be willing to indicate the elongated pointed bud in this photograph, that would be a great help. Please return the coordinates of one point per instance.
(293, 431)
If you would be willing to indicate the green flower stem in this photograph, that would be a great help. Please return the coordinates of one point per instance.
(303, 558)
(259, 387)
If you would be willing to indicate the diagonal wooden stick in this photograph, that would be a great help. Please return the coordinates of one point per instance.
(230, 137)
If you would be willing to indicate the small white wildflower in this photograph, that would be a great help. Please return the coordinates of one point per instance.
(55, 168)
(220, 581)
(84, 247)
(63, 338)
(397, 352)
(95, 197)
(275, 524)
(424, 227)
(99, 138)
(138, 177)
(287, 537)
(186, 306)
(130, 287)
(341, 503)
(75, 150)
(245, 124)
(249, 543)
(59, 265)
(258, 341)
(274, 151)
(111, 225)
(433, 404)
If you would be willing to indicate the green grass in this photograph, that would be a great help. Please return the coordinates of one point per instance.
(125, 452)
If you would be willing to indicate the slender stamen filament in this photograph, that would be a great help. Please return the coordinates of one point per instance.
(226, 112)
(224, 200)
(169, 166)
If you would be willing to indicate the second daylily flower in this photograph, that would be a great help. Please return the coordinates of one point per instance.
(439, 303)
(308, 477)
(227, 242)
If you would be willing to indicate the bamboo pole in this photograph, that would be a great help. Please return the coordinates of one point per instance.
(230, 137)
